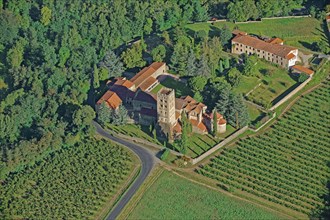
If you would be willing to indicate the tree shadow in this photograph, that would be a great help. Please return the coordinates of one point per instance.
(308, 45)
(214, 32)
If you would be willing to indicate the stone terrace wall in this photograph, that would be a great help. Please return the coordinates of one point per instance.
(292, 93)
(220, 145)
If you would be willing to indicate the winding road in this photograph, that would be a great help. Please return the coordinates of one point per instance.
(148, 161)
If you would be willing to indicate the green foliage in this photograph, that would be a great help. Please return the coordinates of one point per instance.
(225, 35)
(234, 76)
(112, 64)
(237, 114)
(242, 10)
(132, 57)
(165, 154)
(9, 26)
(76, 182)
(198, 96)
(119, 116)
(323, 46)
(250, 68)
(96, 80)
(215, 122)
(15, 54)
(64, 54)
(197, 83)
(192, 69)
(103, 113)
(46, 15)
(11, 99)
(158, 53)
(303, 77)
(226, 63)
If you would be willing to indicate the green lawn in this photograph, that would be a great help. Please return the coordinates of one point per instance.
(157, 88)
(133, 130)
(172, 197)
(199, 144)
(246, 84)
(254, 112)
(273, 81)
(181, 89)
(298, 32)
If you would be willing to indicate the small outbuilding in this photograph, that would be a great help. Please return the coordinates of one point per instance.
(298, 69)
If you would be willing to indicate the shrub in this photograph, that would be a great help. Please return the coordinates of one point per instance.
(165, 154)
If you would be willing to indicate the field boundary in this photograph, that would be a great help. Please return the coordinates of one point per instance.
(106, 210)
(264, 124)
(139, 194)
(218, 146)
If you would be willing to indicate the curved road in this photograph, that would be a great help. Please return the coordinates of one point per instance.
(148, 162)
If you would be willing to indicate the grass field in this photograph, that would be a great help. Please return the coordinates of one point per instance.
(172, 197)
(297, 32)
(267, 87)
(289, 163)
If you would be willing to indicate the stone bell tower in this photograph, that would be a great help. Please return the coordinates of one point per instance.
(166, 110)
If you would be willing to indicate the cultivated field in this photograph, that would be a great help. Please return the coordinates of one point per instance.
(75, 183)
(172, 197)
(289, 163)
(298, 32)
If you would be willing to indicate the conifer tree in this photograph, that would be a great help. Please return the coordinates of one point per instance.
(215, 122)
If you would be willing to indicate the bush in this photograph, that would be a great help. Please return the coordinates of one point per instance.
(303, 77)
(165, 154)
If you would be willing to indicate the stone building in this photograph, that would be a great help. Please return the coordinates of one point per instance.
(271, 50)
(162, 109)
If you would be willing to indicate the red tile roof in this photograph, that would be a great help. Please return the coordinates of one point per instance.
(177, 128)
(277, 49)
(200, 125)
(124, 82)
(290, 56)
(275, 40)
(238, 32)
(111, 99)
(150, 81)
(145, 73)
(222, 121)
(303, 69)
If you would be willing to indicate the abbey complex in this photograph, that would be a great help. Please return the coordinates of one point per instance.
(162, 109)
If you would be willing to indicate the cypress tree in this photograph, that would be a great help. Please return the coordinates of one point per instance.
(215, 122)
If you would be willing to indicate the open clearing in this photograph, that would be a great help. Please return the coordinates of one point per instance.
(172, 197)
(297, 32)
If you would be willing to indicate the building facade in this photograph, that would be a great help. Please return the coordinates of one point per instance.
(271, 50)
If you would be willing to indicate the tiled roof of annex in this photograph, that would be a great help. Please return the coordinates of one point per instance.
(145, 73)
(111, 99)
(277, 49)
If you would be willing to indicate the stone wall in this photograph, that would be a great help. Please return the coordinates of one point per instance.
(220, 145)
(288, 96)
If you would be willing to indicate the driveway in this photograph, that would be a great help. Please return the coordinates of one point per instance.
(148, 160)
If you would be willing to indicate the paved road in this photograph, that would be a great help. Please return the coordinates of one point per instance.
(148, 160)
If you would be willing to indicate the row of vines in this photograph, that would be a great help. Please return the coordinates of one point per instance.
(288, 164)
(74, 183)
